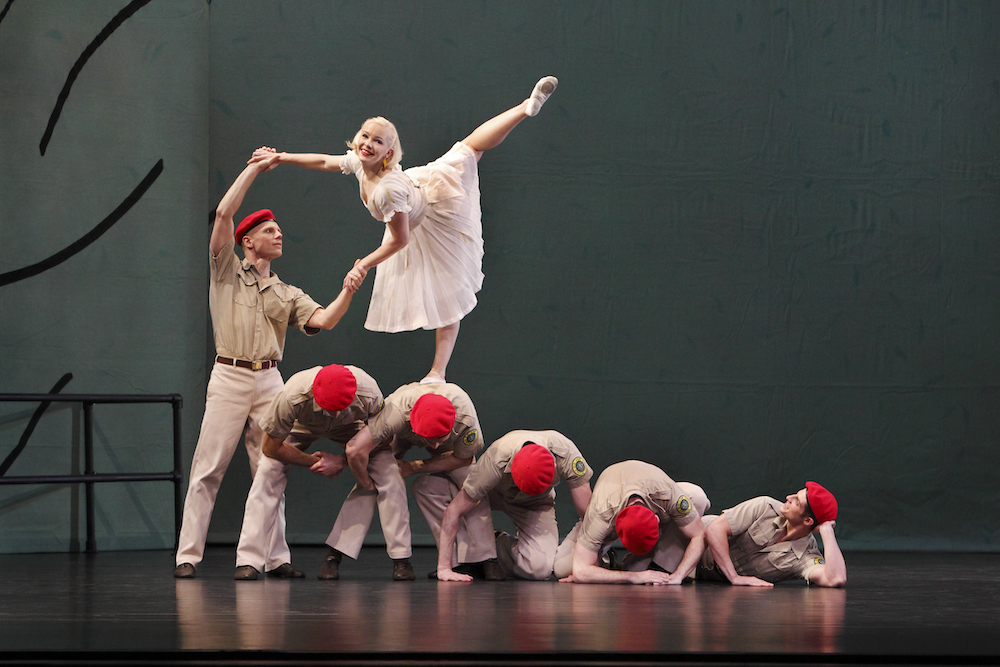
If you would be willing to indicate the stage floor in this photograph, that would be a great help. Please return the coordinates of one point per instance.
(898, 608)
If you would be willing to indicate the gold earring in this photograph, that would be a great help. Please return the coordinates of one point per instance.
(385, 165)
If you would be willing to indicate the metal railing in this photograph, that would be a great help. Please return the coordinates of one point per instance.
(89, 476)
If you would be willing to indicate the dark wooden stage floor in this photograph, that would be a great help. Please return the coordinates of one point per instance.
(125, 607)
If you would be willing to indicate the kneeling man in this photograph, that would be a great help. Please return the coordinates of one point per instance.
(639, 504)
(517, 474)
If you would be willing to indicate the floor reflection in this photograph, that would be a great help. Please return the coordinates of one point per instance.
(520, 616)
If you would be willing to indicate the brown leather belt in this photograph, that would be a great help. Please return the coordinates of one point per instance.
(252, 365)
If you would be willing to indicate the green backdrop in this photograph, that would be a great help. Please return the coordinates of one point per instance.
(753, 243)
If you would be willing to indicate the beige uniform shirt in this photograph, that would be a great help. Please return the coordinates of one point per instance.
(294, 410)
(492, 469)
(612, 491)
(465, 439)
(250, 314)
(756, 526)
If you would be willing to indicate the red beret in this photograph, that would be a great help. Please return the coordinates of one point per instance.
(334, 387)
(533, 469)
(432, 416)
(638, 529)
(821, 502)
(251, 221)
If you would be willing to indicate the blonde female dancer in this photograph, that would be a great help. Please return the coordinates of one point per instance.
(431, 257)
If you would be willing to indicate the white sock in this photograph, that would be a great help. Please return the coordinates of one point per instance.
(545, 86)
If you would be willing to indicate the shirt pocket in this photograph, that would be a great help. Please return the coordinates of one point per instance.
(758, 534)
(245, 290)
(277, 303)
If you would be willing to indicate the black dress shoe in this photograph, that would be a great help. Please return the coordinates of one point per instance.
(286, 571)
(492, 571)
(402, 570)
(184, 571)
(474, 570)
(246, 573)
(330, 569)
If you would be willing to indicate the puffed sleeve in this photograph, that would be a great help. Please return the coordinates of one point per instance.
(391, 196)
(350, 164)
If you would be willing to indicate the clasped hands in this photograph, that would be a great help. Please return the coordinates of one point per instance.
(354, 277)
(328, 465)
(266, 156)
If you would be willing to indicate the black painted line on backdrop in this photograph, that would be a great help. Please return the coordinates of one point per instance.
(115, 23)
(32, 423)
(89, 237)
(6, 7)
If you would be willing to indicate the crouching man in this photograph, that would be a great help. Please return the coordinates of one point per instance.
(333, 402)
(517, 475)
(637, 503)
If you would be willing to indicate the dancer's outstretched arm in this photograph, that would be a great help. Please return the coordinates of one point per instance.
(318, 161)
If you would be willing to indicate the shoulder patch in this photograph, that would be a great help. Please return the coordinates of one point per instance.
(684, 505)
(819, 561)
(579, 466)
(471, 436)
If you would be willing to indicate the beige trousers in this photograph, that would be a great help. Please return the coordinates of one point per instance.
(475, 541)
(235, 401)
(358, 510)
(531, 554)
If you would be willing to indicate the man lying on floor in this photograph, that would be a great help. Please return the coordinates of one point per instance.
(763, 541)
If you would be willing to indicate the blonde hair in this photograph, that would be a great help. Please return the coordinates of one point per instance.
(397, 149)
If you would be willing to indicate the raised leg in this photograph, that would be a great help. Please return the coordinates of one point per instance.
(492, 133)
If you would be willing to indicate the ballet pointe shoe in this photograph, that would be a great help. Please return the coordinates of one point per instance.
(432, 378)
(545, 86)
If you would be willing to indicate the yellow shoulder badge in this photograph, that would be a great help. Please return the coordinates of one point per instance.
(683, 505)
(579, 466)
(470, 437)
(819, 561)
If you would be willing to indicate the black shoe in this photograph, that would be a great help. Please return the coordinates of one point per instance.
(403, 571)
(330, 569)
(492, 571)
(246, 573)
(474, 570)
(184, 571)
(286, 571)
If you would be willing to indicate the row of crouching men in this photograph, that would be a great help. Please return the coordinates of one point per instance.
(663, 526)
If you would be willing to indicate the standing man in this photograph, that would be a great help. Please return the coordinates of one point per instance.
(517, 475)
(635, 502)
(763, 541)
(440, 418)
(251, 311)
(333, 402)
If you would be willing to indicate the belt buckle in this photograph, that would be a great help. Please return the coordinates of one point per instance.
(257, 365)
